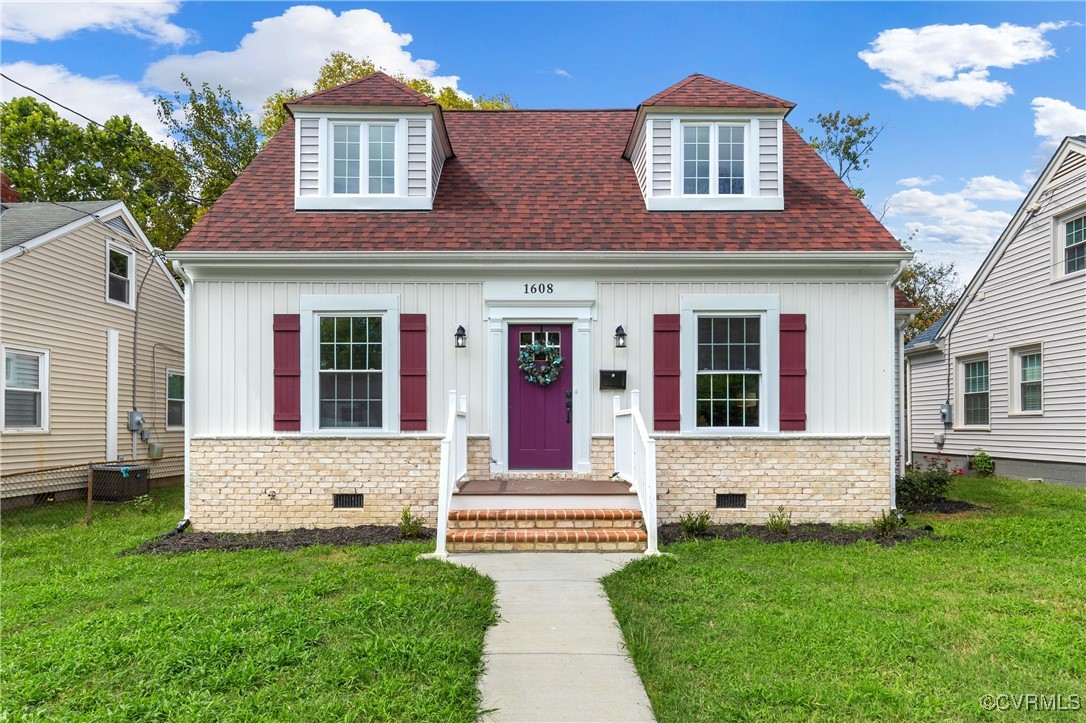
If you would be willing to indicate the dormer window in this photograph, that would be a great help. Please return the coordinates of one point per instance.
(714, 160)
(369, 146)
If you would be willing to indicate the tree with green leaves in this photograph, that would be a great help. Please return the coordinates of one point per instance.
(933, 288)
(341, 67)
(49, 158)
(213, 136)
(845, 142)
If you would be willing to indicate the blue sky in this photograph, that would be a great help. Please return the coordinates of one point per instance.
(974, 95)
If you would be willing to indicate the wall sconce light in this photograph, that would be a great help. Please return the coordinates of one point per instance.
(460, 337)
(620, 338)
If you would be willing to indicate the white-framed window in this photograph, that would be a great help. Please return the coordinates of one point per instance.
(350, 363)
(714, 159)
(730, 363)
(120, 274)
(175, 399)
(1027, 380)
(363, 158)
(974, 397)
(1074, 245)
(25, 389)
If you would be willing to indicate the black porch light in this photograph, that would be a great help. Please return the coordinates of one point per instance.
(620, 338)
(460, 337)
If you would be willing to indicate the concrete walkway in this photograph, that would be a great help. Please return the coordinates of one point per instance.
(557, 653)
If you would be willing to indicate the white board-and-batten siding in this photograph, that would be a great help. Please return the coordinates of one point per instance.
(1025, 300)
(848, 342)
(55, 300)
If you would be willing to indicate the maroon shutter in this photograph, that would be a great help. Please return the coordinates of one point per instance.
(287, 350)
(413, 372)
(665, 370)
(793, 372)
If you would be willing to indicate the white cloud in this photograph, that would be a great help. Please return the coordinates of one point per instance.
(951, 62)
(562, 73)
(34, 20)
(97, 98)
(1053, 119)
(958, 227)
(917, 182)
(288, 51)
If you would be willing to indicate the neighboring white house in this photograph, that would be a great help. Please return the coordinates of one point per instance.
(71, 274)
(1005, 371)
(380, 253)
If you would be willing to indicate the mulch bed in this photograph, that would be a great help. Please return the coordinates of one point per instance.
(946, 507)
(816, 532)
(285, 540)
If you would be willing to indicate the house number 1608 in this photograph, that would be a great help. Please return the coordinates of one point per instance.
(539, 288)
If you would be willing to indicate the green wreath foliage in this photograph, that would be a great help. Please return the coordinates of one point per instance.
(535, 373)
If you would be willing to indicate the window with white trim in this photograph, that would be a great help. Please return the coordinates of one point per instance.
(25, 389)
(728, 391)
(120, 273)
(175, 399)
(1027, 371)
(974, 398)
(363, 158)
(350, 376)
(1074, 245)
(714, 159)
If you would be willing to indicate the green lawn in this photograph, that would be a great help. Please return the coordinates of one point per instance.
(349, 633)
(745, 630)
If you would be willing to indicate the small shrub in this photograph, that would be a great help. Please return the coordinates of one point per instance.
(982, 463)
(780, 521)
(693, 526)
(143, 503)
(410, 526)
(921, 486)
(886, 524)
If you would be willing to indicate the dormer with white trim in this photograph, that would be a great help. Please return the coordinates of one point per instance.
(374, 144)
(705, 145)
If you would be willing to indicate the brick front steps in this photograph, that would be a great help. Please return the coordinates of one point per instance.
(545, 530)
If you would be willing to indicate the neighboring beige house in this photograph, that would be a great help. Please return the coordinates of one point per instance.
(1008, 365)
(71, 275)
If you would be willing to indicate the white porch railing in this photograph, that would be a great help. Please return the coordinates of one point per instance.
(635, 461)
(454, 464)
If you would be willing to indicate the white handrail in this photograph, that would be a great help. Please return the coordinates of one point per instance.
(454, 465)
(635, 461)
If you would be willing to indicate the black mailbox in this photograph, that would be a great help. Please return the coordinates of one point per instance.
(612, 379)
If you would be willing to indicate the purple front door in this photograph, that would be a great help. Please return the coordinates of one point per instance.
(540, 417)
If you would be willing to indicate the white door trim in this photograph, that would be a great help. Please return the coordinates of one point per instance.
(499, 317)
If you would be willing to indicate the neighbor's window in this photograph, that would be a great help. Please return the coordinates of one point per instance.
(120, 273)
(975, 392)
(25, 379)
(729, 376)
(175, 399)
(714, 159)
(350, 375)
(1028, 387)
(1074, 250)
(368, 148)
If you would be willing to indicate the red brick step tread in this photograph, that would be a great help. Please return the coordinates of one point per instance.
(548, 535)
(544, 514)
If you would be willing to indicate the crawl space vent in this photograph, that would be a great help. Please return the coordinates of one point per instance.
(346, 502)
(731, 501)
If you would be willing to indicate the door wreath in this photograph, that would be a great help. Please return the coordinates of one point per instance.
(535, 373)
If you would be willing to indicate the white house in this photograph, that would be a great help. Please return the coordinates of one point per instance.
(380, 254)
(91, 328)
(1005, 371)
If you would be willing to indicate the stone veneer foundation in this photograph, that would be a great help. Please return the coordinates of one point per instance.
(816, 479)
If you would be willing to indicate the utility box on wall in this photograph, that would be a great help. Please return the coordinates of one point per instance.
(946, 413)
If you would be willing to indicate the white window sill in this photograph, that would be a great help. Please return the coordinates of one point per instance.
(114, 302)
(175, 429)
(714, 203)
(976, 428)
(26, 430)
(1027, 414)
(363, 203)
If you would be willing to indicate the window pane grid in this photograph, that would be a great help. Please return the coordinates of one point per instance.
(976, 393)
(1030, 389)
(730, 173)
(350, 371)
(22, 390)
(1075, 246)
(696, 160)
(382, 164)
(119, 272)
(728, 375)
(346, 158)
(175, 399)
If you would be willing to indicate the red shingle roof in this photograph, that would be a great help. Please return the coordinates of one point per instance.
(542, 181)
(376, 90)
(701, 91)
(902, 300)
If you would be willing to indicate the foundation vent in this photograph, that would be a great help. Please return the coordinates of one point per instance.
(731, 501)
(346, 502)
